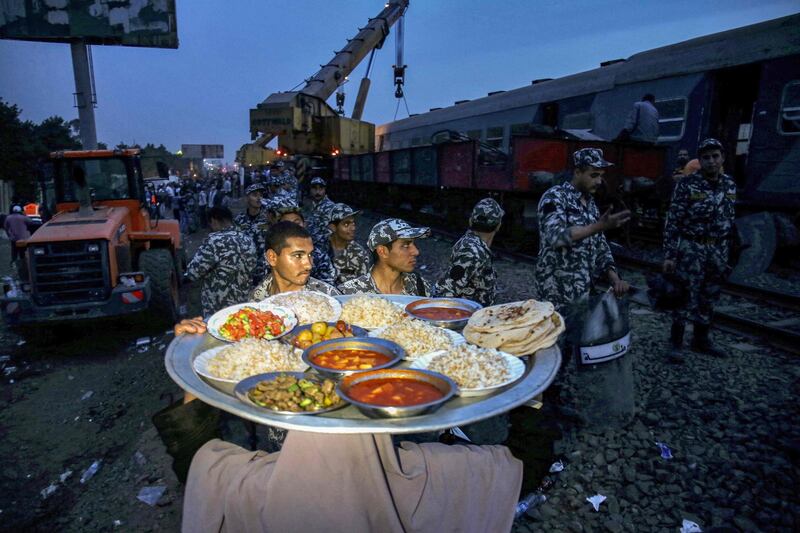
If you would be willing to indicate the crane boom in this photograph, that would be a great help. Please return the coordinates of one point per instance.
(302, 120)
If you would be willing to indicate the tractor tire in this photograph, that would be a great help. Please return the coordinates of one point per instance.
(165, 296)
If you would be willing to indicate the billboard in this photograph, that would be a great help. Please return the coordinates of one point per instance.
(203, 151)
(116, 22)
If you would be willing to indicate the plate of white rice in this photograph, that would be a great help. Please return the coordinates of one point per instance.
(477, 371)
(370, 311)
(418, 337)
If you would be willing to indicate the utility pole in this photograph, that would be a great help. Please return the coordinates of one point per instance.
(84, 93)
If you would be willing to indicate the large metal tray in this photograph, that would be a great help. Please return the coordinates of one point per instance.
(539, 373)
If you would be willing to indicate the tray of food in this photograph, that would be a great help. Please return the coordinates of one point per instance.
(451, 313)
(260, 320)
(384, 401)
(418, 337)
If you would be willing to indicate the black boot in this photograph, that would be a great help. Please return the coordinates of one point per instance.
(676, 342)
(184, 428)
(701, 343)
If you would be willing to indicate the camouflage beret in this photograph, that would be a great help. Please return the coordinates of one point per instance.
(339, 212)
(590, 157)
(709, 144)
(255, 187)
(318, 181)
(487, 212)
(391, 229)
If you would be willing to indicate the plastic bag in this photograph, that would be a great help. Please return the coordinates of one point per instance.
(600, 327)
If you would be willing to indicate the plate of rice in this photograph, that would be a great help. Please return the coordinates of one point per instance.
(477, 371)
(418, 337)
(308, 306)
(225, 366)
(370, 312)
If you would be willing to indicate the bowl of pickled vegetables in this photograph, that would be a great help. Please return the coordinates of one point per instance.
(289, 393)
(307, 335)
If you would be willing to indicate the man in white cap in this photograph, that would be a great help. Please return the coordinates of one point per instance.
(391, 242)
(16, 226)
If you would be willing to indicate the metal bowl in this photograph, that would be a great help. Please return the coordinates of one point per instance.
(244, 386)
(290, 337)
(455, 303)
(440, 381)
(387, 348)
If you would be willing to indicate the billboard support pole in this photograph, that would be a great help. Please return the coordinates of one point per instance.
(84, 94)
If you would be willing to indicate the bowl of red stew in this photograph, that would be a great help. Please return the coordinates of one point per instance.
(352, 355)
(396, 392)
(451, 313)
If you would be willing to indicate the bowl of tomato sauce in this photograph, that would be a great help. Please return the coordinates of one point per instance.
(396, 392)
(451, 313)
(336, 358)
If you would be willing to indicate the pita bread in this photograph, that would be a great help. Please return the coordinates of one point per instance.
(509, 337)
(539, 343)
(509, 316)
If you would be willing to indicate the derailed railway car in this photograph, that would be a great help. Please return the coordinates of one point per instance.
(741, 86)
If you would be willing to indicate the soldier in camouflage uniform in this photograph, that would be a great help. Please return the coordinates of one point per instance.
(697, 239)
(254, 221)
(349, 258)
(573, 252)
(286, 209)
(395, 257)
(223, 262)
(289, 254)
(472, 273)
(320, 204)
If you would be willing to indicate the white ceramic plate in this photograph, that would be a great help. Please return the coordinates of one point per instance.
(336, 307)
(516, 366)
(455, 337)
(218, 319)
(200, 364)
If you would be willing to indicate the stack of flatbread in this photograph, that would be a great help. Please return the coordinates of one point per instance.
(518, 328)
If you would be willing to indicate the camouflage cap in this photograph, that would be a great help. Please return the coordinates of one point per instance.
(391, 229)
(487, 212)
(590, 157)
(255, 187)
(339, 212)
(318, 181)
(283, 204)
(709, 144)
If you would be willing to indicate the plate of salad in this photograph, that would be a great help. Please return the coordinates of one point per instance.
(252, 320)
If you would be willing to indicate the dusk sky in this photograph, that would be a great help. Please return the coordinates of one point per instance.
(234, 54)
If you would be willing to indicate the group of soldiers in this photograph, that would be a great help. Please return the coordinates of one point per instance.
(275, 245)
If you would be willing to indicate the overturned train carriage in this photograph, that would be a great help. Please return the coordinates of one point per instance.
(741, 86)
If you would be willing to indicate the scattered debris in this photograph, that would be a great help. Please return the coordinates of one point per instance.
(558, 466)
(63, 477)
(7, 371)
(5, 358)
(666, 453)
(596, 500)
(142, 341)
(117, 523)
(70, 377)
(139, 458)
(21, 342)
(690, 527)
(48, 491)
(151, 495)
(91, 471)
(87, 395)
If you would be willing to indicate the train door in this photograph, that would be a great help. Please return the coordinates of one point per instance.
(734, 94)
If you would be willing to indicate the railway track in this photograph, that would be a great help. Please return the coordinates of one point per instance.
(775, 334)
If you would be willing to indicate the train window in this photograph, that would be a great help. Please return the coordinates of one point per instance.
(789, 118)
(474, 134)
(520, 129)
(671, 118)
(578, 121)
(494, 136)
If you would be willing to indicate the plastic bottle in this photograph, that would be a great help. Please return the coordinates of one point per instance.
(529, 502)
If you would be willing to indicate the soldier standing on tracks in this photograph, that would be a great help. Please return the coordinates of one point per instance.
(350, 259)
(395, 254)
(697, 237)
(223, 262)
(573, 252)
(254, 221)
(472, 273)
(287, 210)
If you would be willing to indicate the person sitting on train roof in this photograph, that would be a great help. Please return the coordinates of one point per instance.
(394, 252)
(642, 122)
(471, 274)
(573, 251)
